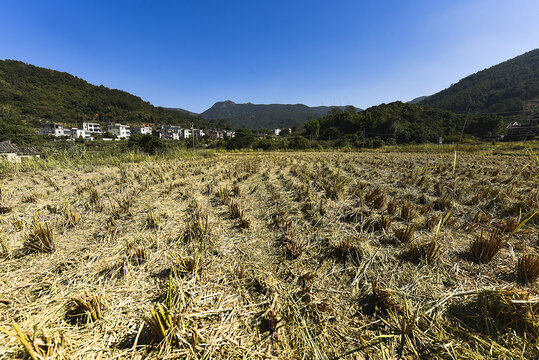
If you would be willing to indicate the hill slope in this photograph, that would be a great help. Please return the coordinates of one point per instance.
(511, 86)
(400, 123)
(256, 116)
(32, 94)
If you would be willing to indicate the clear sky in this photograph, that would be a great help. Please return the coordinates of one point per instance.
(191, 54)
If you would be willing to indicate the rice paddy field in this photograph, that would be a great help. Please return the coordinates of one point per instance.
(332, 255)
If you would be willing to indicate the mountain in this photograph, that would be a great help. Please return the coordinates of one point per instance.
(30, 95)
(257, 116)
(417, 100)
(510, 87)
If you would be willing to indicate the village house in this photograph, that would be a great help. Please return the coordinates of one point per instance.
(215, 134)
(229, 133)
(92, 128)
(119, 130)
(170, 132)
(186, 133)
(142, 130)
(76, 133)
(198, 133)
(524, 131)
(53, 129)
(13, 153)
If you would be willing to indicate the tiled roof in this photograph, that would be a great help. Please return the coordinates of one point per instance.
(8, 147)
(28, 151)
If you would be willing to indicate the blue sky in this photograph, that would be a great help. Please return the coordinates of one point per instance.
(191, 54)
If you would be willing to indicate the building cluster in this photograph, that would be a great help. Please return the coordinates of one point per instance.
(89, 131)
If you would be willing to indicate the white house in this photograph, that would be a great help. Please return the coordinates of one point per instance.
(229, 133)
(171, 132)
(186, 133)
(276, 132)
(143, 130)
(119, 130)
(53, 129)
(215, 134)
(92, 128)
(76, 133)
(199, 133)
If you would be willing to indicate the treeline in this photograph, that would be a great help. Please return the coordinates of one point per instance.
(399, 123)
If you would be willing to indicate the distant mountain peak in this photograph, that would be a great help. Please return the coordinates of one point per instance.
(256, 116)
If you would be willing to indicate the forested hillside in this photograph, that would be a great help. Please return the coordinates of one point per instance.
(399, 123)
(30, 94)
(507, 87)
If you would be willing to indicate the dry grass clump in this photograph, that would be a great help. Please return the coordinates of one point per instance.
(197, 229)
(237, 212)
(427, 252)
(391, 207)
(85, 309)
(136, 255)
(94, 199)
(408, 211)
(348, 248)
(383, 223)
(40, 239)
(185, 265)
(483, 249)
(5, 209)
(163, 323)
(293, 247)
(405, 235)
(152, 220)
(380, 301)
(272, 316)
(69, 217)
(30, 198)
(40, 345)
(334, 184)
(3, 248)
(495, 311)
(17, 222)
(527, 269)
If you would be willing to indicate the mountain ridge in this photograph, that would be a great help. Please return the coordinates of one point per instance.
(256, 116)
(511, 86)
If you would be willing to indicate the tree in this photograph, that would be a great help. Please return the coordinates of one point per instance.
(146, 143)
(313, 128)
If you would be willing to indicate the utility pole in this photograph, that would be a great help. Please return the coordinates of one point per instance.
(363, 135)
(193, 135)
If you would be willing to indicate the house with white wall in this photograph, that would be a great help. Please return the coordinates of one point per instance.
(119, 130)
(142, 130)
(53, 129)
(171, 132)
(92, 128)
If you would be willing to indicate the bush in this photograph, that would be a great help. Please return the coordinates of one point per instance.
(146, 143)
(299, 142)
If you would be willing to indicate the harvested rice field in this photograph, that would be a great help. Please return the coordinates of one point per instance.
(273, 256)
